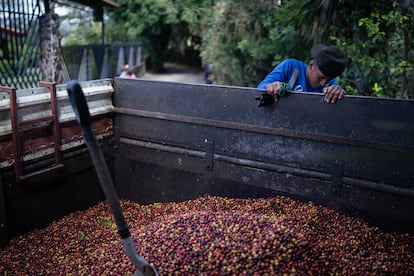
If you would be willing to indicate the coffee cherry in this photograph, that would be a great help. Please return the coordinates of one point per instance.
(212, 236)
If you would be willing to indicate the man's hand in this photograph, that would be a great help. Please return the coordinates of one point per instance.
(273, 89)
(333, 93)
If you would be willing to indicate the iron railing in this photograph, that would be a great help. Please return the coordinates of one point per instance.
(21, 55)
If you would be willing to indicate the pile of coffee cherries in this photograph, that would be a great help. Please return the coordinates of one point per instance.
(213, 236)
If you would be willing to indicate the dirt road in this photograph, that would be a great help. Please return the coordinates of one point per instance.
(177, 73)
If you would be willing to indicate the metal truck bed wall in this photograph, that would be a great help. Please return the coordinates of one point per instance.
(178, 141)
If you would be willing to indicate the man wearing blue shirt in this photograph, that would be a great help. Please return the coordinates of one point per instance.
(318, 76)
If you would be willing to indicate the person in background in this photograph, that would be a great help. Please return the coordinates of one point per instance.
(124, 71)
(209, 77)
(328, 62)
(130, 74)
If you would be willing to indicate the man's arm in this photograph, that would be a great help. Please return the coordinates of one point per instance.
(273, 81)
(278, 74)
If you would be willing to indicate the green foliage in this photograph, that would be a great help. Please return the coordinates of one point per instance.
(246, 39)
(375, 36)
(149, 21)
(79, 28)
(88, 32)
(236, 42)
(381, 64)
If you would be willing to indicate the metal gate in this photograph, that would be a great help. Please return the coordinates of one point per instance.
(92, 62)
(20, 55)
(21, 50)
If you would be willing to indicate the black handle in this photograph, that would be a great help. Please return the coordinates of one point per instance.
(80, 107)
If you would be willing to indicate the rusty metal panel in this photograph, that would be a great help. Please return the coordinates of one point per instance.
(303, 147)
(34, 104)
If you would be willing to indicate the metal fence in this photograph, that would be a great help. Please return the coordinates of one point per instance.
(99, 61)
(21, 53)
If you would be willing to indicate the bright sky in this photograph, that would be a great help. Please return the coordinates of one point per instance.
(61, 10)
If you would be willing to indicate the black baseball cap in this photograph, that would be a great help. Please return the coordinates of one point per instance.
(330, 59)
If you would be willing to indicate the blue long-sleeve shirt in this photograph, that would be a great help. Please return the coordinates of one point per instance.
(284, 71)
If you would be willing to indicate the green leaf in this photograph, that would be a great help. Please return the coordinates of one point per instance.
(105, 222)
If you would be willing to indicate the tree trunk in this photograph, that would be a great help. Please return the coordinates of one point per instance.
(50, 38)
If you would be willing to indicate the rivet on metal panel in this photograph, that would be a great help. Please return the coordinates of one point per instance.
(209, 154)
